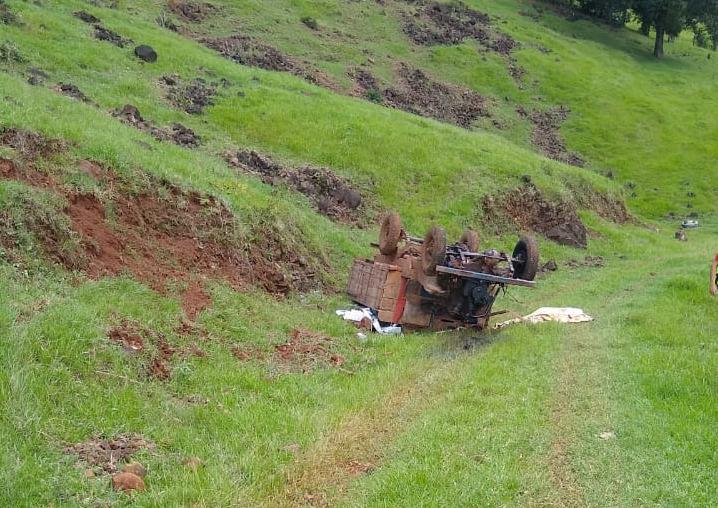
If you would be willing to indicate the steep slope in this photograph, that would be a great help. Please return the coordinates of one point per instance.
(175, 236)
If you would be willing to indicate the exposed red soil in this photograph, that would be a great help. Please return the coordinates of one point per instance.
(330, 194)
(109, 453)
(195, 300)
(526, 208)
(546, 136)
(128, 335)
(305, 350)
(245, 353)
(194, 12)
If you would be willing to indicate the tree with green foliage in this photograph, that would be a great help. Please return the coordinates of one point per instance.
(666, 17)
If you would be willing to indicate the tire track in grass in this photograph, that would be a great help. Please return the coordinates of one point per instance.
(322, 475)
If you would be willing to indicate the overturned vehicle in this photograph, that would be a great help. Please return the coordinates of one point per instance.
(427, 283)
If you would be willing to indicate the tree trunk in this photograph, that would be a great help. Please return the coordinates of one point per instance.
(645, 28)
(658, 47)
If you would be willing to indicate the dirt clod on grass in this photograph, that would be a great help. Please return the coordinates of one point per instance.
(251, 52)
(105, 34)
(177, 133)
(418, 93)
(86, 17)
(70, 90)
(129, 335)
(527, 209)
(305, 350)
(439, 23)
(192, 97)
(36, 77)
(194, 12)
(330, 195)
(7, 17)
(546, 136)
(31, 145)
(109, 454)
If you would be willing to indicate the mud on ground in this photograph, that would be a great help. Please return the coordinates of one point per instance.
(30, 145)
(70, 90)
(527, 209)
(417, 93)
(330, 195)
(546, 136)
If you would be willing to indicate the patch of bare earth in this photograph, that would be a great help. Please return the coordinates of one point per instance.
(162, 235)
(108, 454)
(526, 208)
(194, 12)
(329, 194)
(30, 145)
(249, 51)
(176, 133)
(546, 134)
(152, 347)
(418, 93)
(191, 97)
(449, 23)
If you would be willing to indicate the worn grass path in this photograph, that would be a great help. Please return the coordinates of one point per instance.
(550, 415)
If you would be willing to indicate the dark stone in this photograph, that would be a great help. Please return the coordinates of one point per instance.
(146, 53)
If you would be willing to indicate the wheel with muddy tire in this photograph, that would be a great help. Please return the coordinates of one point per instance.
(525, 258)
(470, 238)
(390, 234)
(433, 250)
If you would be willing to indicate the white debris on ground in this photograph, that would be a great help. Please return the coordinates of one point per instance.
(544, 314)
(364, 317)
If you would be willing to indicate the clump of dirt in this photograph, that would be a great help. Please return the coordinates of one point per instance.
(160, 367)
(70, 90)
(195, 300)
(247, 353)
(248, 51)
(546, 137)
(177, 133)
(434, 23)
(194, 12)
(330, 195)
(305, 350)
(86, 17)
(417, 93)
(192, 97)
(109, 453)
(128, 335)
(105, 34)
(446, 23)
(526, 208)
(36, 77)
(7, 17)
(30, 145)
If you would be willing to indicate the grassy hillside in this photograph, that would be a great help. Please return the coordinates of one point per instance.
(176, 305)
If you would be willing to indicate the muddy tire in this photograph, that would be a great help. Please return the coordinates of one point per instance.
(470, 238)
(434, 250)
(390, 234)
(526, 256)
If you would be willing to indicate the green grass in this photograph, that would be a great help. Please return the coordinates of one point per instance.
(512, 421)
